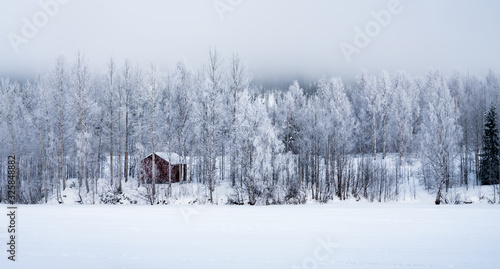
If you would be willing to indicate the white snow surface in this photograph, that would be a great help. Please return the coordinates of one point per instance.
(337, 235)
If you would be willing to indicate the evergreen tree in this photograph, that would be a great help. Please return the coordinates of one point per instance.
(490, 158)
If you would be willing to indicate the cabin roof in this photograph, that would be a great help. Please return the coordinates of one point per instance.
(174, 157)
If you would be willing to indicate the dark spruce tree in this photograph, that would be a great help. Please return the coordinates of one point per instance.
(489, 172)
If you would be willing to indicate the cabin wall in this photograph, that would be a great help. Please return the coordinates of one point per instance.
(162, 167)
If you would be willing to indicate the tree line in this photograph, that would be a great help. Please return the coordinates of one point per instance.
(272, 147)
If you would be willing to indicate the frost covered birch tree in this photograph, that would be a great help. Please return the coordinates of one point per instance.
(238, 81)
(153, 89)
(441, 131)
(80, 76)
(340, 127)
(111, 87)
(59, 83)
(385, 93)
(210, 104)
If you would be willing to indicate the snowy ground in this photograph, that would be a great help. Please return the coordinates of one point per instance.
(337, 235)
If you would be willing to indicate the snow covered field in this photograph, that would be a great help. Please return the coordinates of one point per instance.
(337, 235)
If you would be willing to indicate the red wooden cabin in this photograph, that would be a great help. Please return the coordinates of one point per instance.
(162, 160)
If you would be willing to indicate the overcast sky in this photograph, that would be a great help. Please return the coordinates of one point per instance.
(276, 37)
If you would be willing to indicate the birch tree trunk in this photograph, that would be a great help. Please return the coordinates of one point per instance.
(111, 77)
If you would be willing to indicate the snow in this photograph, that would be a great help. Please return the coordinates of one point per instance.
(188, 193)
(336, 235)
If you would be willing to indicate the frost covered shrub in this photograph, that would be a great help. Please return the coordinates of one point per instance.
(116, 198)
(294, 194)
